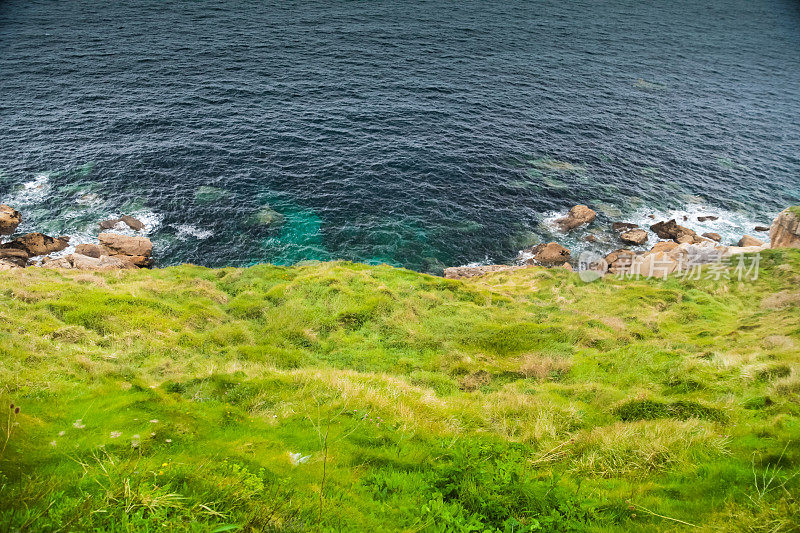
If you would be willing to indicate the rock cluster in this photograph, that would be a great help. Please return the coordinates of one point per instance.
(681, 247)
(115, 251)
(671, 230)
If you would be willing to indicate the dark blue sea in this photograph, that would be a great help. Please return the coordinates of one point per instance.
(422, 134)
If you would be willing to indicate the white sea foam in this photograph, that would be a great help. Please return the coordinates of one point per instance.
(186, 231)
(31, 192)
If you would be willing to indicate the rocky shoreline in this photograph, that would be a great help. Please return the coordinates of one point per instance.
(115, 251)
(677, 247)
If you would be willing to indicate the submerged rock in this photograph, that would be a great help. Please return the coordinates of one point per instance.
(785, 229)
(267, 216)
(706, 218)
(206, 194)
(10, 218)
(761, 228)
(38, 244)
(578, 215)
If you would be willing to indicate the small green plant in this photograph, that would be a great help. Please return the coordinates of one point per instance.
(11, 425)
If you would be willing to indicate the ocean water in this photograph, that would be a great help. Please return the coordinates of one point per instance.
(420, 134)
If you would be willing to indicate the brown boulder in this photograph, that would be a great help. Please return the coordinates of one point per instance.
(577, 216)
(656, 265)
(634, 236)
(133, 223)
(9, 219)
(139, 261)
(747, 240)
(90, 250)
(38, 244)
(620, 261)
(785, 229)
(716, 237)
(621, 227)
(671, 230)
(110, 223)
(707, 217)
(550, 253)
(663, 246)
(117, 244)
(762, 228)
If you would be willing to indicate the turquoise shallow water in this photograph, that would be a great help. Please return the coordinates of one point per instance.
(420, 134)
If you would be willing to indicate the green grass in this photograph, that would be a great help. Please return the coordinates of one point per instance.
(174, 399)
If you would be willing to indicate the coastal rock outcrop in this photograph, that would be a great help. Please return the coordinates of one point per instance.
(7, 265)
(716, 237)
(15, 256)
(114, 252)
(634, 236)
(747, 240)
(38, 244)
(134, 250)
(551, 253)
(578, 215)
(785, 229)
(84, 262)
(10, 218)
(672, 230)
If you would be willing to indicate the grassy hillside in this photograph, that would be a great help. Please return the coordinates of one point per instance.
(526, 401)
